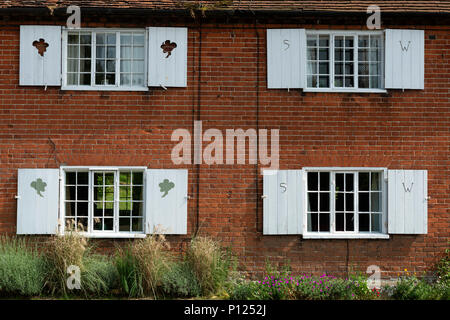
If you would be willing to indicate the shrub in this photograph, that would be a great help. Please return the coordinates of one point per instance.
(60, 253)
(129, 277)
(180, 281)
(209, 263)
(249, 290)
(100, 276)
(412, 288)
(22, 269)
(443, 268)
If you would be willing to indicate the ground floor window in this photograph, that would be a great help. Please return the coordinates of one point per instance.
(345, 201)
(104, 200)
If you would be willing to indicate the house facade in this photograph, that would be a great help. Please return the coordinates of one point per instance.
(300, 133)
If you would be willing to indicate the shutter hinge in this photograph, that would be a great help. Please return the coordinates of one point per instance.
(264, 196)
(17, 197)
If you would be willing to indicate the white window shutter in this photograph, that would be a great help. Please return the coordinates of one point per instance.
(286, 54)
(166, 201)
(168, 69)
(37, 69)
(282, 194)
(404, 55)
(407, 201)
(37, 201)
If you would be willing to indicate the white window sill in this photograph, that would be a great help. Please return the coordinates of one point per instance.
(345, 236)
(345, 90)
(103, 88)
(113, 235)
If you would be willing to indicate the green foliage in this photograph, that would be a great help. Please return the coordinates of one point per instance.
(22, 269)
(129, 278)
(180, 281)
(443, 267)
(100, 276)
(412, 288)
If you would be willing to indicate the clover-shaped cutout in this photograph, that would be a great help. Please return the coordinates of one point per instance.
(166, 186)
(41, 46)
(39, 186)
(167, 47)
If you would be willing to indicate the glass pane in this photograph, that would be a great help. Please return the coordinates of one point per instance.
(82, 193)
(111, 52)
(109, 179)
(364, 201)
(312, 202)
(98, 224)
(349, 222)
(138, 39)
(363, 55)
(339, 201)
(111, 38)
(125, 66)
(323, 68)
(72, 65)
(98, 193)
(85, 39)
(375, 181)
(375, 82)
(124, 224)
(138, 178)
(364, 181)
(138, 209)
(338, 68)
(125, 178)
(339, 81)
(338, 41)
(110, 66)
(71, 178)
(349, 202)
(376, 222)
(325, 181)
(73, 38)
(348, 82)
(364, 222)
(85, 79)
(312, 81)
(110, 78)
(349, 55)
(100, 52)
(138, 66)
(363, 69)
(137, 225)
(375, 201)
(324, 204)
(363, 41)
(313, 181)
(324, 41)
(82, 224)
(125, 52)
(324, 221)
(339, 182)
(108, 224)
(72, 79)
(100, 66)
(324, 82)
(374, 55)
(125, 209)
(85, 65)
(312, 67)
(340, 222)
(85, 52)
(348, 42)
(83, 178)
(311, 41)
(313, 222)
(138, 79)
(125, 79)
(82, 209)
(98, 209)
(125, 193)
(125, 39)
(100, 38)
(349, 68)
(323, 54)
(109, 193)
(349, 181)
(363, 82)
(73, 51)
(312, 54)
(70, 209)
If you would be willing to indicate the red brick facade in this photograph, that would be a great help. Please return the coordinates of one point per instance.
(227, 89)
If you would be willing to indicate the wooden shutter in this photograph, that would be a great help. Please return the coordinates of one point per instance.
(168, 69)
(37, 69)
(404, 59)
(166, 201)
(407, 201)
(282, 194)
(37, 201)
(286, 53)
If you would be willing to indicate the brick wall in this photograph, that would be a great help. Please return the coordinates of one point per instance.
(227, 90)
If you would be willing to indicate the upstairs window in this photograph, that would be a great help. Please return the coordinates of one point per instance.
(344, 61)
(105, 59)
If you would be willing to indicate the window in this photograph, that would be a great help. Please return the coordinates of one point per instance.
(102, 201)
(105, 59)
(344, 61)
(345, 201)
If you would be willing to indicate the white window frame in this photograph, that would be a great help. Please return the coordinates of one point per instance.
(332, 234)
(100, 234)
(332, 34)
(94, 87)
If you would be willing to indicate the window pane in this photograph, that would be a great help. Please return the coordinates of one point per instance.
(111, 52)
(82, 193)
(72, 79)
(82, 178)
(98, 224)
(70, 209)
(71, 178)
(138, 66)
(73, 38)
(364, 222)
(138, 79)
(100, 66)
(338, 69)
(85, 39)
(110, 66)
(82, 209)
(125, 178)
(82, 224)
(125, 66)
(323, 68)
(72, 65)
(340, 222)
(313, 202)
(98, 209)
(85, 79)
(109, 193)
(313, 222)
(376, 222)
(324, 201)
(108, 224)
(110, 78)
(363, 82)
(138, 39)
(348, 82)
(125, 79)
(312, 81)
(349, 68)
(100, 78)
(375, 201)
(124, 224)
(363, 41)
(98, 193)
(349, 181)
(375, 181)
(324, 181)
(109, 179)
(73, 51)
(137, 225)
(364, 201)
(363, 69)
(324, 221)
(85, 66)
(349, 202)
(100, 52)
(349, 222)
(85, 52)
(339, 82)
(323, 54)
(312, 54)
(125, 193)
(364, 181)
(125, 208)
(340, 182)
(339, 201)
(324, 82)
(313, 181)
(125, 39)
(125, 52)
(138, 209)
(311, 41)
(324, 40)
(338, 41)
(111, 38)
(100, 38)
(138, 178)
(349, 55)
